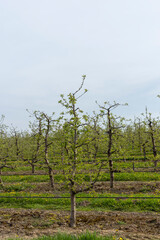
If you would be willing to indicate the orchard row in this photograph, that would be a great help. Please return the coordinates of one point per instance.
(76, 142)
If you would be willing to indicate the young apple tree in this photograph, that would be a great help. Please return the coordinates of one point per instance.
(76, 132)
(44, 142)
(152, 131)
(31, 143)
(112, 134)
(6, 149)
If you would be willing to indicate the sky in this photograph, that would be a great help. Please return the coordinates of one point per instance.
(47, 45)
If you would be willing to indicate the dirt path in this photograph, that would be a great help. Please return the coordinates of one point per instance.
(32, 223)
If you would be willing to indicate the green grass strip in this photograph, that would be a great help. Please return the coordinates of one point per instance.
(83, 204)
(83, 236)
(132, 176)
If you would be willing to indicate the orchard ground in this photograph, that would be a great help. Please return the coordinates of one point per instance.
(29, 223)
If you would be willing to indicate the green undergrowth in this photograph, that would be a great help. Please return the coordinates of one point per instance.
(83, 236)
(83, 204)
(132, 176)
(17, 187)
(25, 179)
(122, 165)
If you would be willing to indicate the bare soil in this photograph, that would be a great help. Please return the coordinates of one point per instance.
(102, 187)
(29, 224)
(33, 223)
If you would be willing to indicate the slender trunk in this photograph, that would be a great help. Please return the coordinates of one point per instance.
(17, 147)
(96, 151)
(132, 144)
(111, 173)
(33, 169)
(154, 152)
(144, 152)
(50, 171)
(139, 135)
(73, 194)
(153, 144)
(155, 165)
(109, 150)
(152, 138)
(1, 182)
(73, 210)
(51, 177)
(133, 166)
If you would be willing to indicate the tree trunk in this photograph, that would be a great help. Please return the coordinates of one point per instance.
(62, 159)
(33, 169)
(144, 153)
(154, 151)
(152, 138)
(133, 166)
(96, 150)
(73, 210)
(1, 182)
(51, 177)
(155, 164)
(154, 147)
(111, 173)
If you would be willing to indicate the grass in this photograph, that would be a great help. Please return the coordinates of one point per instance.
(83, 204)
(25, 179)
(132, 176)
(83, 236)
(17, 187)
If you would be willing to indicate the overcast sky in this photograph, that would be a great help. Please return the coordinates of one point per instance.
(47, 45)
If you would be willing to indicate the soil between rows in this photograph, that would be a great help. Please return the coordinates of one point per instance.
(32, 223)
(128, 187)
(131, 225)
